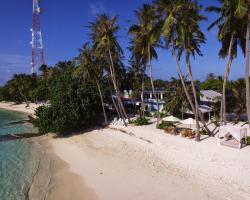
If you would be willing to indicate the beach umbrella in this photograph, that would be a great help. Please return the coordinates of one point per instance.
(189, 121)
(171, 118)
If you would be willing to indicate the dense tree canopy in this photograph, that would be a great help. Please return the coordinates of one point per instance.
(73, 105)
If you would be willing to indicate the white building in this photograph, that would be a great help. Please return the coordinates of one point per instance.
(161, 94)
(204, 109)
(151, 102)
(210, 96)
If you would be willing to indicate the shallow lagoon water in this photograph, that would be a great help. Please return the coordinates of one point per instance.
(18, 158)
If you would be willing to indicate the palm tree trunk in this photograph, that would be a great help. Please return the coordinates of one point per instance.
(152, 85)
(103, 107)
(137, 90)
(113, 76)
(229, 63)
(113, 100)
(182, 112)
(142, 91)
(189, 70)
(221, 109)
(247, 70)
(188, 95)
(184, 84)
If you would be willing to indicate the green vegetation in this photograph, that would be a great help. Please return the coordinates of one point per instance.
(231, 35)
(204, 132)
(248, 140)
(143, 49)
(164, 125)
(176, 102)
(72, 106)
(20, 88)
(140, 121)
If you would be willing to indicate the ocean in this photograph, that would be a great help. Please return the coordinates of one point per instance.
(18, 158)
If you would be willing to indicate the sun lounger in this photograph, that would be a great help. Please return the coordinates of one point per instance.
(114, 122)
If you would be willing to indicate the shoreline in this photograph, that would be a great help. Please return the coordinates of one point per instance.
(21, 108)
(53, 178)
(42, 175)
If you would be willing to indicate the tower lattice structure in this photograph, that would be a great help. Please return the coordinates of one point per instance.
(36, 42)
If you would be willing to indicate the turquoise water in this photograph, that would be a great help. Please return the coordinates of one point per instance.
(18, 158)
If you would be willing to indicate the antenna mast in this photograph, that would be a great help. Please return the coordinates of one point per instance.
(36, 42)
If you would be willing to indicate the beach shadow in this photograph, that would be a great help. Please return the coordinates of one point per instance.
(20, 136)
(19, 122)
(204, 138)
(68, 134)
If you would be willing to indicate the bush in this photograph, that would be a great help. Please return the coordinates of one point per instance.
(147, 114)
(164, 125)
(73, 106)
(44, 121)
(140, 121)
(162, 114)
(248, 140)
(155, 114)
(204, 132)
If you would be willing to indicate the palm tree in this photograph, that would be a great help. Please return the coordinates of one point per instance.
(140, 66)
(188, 40)
(106, 46)
(247, 60)
(179, 23)
(142, 45)
(230, 35)
(243, 12)
(91, 68)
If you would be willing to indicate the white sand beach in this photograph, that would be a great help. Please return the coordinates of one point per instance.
(147, 164)
(144, 163)
(20, 107)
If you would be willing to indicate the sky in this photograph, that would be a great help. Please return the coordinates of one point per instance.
(64, 27)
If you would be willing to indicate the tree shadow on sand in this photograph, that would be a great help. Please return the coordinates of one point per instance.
(68, 134)
(19, 136)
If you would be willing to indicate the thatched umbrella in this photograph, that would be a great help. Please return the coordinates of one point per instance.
(171, 118)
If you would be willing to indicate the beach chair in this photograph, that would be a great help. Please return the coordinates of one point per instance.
(120, 122)
(191, 134)
(184, 133)
(114, 122)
